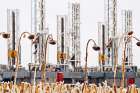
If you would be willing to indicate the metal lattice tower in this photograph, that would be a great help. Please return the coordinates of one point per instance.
(111, 30)
(74, 32)
(39, 27)
(13, 28)
(127, 27)
(62, 39)
(107, 17)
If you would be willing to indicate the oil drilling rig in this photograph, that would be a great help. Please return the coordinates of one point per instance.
(109, 41)
(62, 40)
(13, 28)
(127, 27)
(110, 32)
(39, 27)
(74, 32)
(68, 44)
(68, 34)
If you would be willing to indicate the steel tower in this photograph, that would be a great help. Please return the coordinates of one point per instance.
(62, 39)
(74, 32)
(127, 27)
(111, 31)
(39, 27)
(13, 28)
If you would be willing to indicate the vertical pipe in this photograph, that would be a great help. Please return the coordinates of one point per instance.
(62, 39)
(13, 35)
(108, 28)
(131, 53)
(103, 45)
(99, 43)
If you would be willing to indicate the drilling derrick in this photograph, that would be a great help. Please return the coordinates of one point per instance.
(127, 27)
(110, 31)
(13, 28)
(74, 31)
(101, 43)
(62, 39)
(39, 27)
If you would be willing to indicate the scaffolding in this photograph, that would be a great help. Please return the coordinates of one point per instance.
(13, 28)
(74, 32)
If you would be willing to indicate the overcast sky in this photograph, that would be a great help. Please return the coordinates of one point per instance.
(92, 11)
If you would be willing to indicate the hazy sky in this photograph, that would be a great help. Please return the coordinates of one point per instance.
(92, 11)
